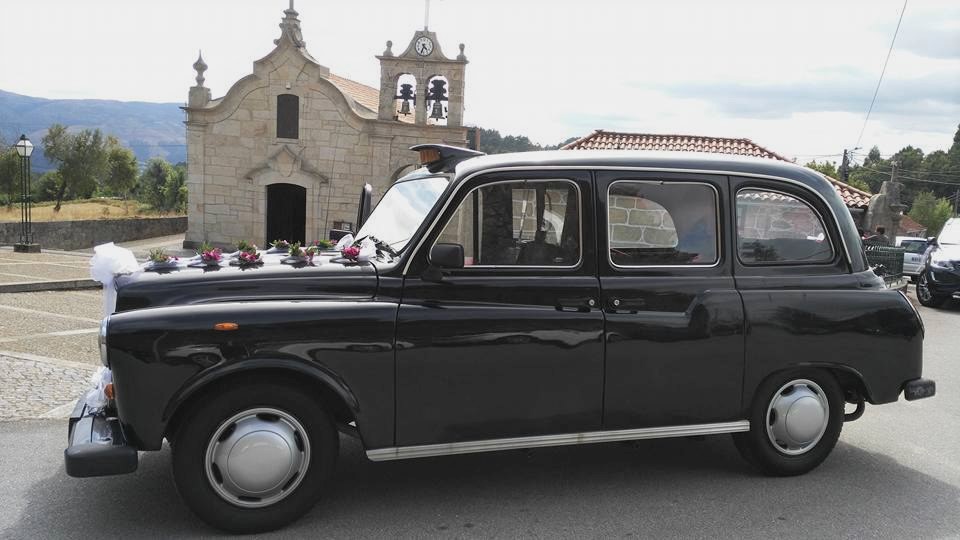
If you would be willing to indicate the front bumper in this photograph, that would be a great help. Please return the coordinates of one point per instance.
(943, 282)
(919, 389)
(96, 445)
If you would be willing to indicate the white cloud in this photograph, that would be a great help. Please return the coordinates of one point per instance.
(795, 77)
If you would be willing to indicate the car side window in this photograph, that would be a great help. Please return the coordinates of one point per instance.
(662, 223)
(773, 227)
(518, 223)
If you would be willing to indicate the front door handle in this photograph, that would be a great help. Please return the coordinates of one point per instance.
(576, 304)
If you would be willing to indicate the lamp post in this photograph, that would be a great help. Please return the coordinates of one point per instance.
(25, 245)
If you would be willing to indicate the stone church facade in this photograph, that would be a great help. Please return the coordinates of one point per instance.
(286, 152)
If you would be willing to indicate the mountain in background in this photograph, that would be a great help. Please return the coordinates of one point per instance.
(148, 129)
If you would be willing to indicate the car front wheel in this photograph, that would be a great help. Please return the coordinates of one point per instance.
(254, 457)
(795, 422)
(924, 295)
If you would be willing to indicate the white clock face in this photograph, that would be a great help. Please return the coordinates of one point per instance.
(423, 46)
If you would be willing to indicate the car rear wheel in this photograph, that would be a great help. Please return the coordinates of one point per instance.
(795, 422)
(924, 295)
(254, 457)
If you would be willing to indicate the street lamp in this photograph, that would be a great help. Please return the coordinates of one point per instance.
(25, 245)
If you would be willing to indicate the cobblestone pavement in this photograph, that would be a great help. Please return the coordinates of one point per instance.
(48, 350)
(39, 387)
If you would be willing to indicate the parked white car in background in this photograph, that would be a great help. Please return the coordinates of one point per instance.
(913, 258)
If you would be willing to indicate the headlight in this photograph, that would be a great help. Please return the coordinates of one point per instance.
(939, 261)
(102, 340)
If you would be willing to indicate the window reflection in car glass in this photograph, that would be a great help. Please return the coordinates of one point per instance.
(775, 227)
(522, 223)
(657, 223)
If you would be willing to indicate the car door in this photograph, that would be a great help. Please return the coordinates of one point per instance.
(511, 344)
(674, 320)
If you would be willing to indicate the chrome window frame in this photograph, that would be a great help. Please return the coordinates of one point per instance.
(509, 266)
(521, 168)
(823, 224)
(716, 201)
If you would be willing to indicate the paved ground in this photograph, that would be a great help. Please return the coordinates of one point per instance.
(895, 474)
(52, 265)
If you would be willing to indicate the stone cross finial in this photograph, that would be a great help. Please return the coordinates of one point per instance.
(290, 27)
(200, 66)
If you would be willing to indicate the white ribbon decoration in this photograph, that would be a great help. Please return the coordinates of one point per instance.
(109, 261)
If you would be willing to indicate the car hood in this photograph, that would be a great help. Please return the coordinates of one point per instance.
(951, 252)
(327, 278)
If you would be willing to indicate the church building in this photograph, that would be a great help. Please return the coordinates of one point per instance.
(286, 152)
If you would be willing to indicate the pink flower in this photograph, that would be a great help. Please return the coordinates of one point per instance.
(213, 255)
(350, 252)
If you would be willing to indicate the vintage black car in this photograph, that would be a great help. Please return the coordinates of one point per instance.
(514, 301)
(939, 277)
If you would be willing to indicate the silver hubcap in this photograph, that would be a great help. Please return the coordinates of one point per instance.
(257, 457)
(797, 417)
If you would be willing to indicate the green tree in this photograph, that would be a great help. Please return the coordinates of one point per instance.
(931, 211)
(81, 160)
(175, 189)
(9, 174)
(152, 182)
(121, 176)
(828, 168)
(45, 188)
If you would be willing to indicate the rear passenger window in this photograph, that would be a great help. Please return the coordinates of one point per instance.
(661, 223)
(774, 227)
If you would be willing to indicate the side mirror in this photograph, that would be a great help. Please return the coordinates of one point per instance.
(446, 255)
(931, 239)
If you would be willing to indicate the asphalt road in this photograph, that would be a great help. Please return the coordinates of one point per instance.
(894, 474)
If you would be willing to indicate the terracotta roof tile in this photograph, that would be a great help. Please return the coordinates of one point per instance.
(367, 97)
(612, 140)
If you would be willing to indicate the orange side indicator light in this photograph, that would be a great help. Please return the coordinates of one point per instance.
(108, 391)
(226, 326)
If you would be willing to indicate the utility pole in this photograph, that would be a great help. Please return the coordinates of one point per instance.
(845, 167)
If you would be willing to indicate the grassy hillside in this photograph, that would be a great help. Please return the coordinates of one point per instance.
(80, 210)
(149, 129)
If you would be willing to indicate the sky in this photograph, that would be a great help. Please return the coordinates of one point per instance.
(795, 77)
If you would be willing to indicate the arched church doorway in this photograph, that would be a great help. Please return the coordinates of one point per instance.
(286, 212)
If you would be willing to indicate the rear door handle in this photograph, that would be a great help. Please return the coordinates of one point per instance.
(576, 304)
(627, 304)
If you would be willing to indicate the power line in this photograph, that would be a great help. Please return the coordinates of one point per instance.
(882, 72)
(916, 179)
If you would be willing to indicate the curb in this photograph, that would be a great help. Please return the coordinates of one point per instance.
(57, 285)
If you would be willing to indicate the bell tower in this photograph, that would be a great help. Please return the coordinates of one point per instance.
(421, 85)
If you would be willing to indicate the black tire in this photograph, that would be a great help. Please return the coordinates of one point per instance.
(924, 295)
(223, 403)
(759, 450)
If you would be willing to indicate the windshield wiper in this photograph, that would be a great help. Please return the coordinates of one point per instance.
(383, 246)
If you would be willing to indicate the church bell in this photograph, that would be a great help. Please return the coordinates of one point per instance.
(405, 107)
(437, 111)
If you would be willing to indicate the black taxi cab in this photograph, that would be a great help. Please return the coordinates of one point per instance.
(513, 301)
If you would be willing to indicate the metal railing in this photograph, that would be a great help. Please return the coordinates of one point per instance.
(886, 261)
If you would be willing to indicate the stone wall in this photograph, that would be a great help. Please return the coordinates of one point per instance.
(637, 222)
(71, 235)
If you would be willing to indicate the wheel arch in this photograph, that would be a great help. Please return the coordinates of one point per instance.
(327, 387)
(848, 377)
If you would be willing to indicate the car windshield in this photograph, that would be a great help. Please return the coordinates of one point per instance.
(950, 233)
(402, 210)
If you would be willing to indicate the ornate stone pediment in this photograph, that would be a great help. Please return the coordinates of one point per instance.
(286, 163)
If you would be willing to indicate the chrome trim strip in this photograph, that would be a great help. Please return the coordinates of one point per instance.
(719, 229)
(460, 183)
(590, 437)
